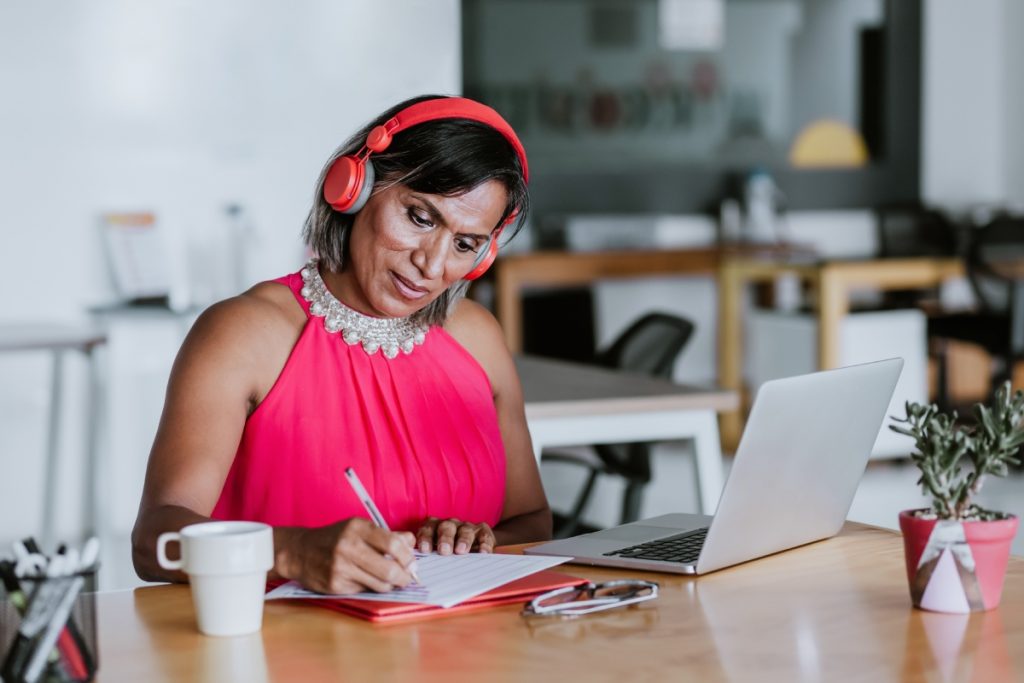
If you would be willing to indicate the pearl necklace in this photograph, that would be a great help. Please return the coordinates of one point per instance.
(387, 335)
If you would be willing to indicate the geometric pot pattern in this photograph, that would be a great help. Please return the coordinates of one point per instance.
(956, 566)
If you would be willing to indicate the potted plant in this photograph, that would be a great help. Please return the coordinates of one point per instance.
(956, 551)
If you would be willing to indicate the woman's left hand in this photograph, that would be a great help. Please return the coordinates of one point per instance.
(454, 535)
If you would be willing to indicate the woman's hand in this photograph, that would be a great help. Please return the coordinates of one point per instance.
(347, 557)
(453, 535)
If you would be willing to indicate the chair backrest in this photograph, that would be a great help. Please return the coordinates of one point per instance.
(1002, 239)
(650, 345)
(914, 230)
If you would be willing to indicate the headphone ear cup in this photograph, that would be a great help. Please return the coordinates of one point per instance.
(489, 255)
(348, 184)
(369, 176)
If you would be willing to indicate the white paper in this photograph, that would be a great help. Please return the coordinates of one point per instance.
(138, 255)
(445, 580)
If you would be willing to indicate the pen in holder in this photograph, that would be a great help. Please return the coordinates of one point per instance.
(47, 626)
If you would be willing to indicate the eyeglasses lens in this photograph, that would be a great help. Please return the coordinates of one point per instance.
(592, 598)
(622, 592)
(574, 596)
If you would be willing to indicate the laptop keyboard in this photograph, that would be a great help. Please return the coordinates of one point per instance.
(682, 548)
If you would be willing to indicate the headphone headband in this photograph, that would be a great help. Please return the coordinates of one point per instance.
(445, 108)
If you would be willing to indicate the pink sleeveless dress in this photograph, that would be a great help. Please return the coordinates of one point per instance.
(420, 430)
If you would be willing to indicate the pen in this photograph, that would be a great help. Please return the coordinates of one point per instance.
(371, 509)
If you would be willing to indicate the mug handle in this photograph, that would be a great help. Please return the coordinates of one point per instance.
(161, 550)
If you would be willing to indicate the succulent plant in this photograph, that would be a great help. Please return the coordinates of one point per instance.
(955, 458)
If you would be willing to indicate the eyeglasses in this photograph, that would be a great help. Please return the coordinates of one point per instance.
(574, 601)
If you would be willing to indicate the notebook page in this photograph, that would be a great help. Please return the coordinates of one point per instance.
(445, 580)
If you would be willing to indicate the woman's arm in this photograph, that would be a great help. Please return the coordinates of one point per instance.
(214, 383)
(526, 516)
(227, 364)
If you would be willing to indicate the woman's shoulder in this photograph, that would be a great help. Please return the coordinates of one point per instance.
(477, 330)
(258, 325)
(266, 307)
(275, 301)
(471, 325)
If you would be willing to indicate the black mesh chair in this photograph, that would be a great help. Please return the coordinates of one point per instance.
(914, 230)
(649, 346)
(910, 230)
(994, 252)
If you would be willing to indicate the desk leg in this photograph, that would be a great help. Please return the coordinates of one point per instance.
(53, 450)
(833, 306)
(94, 501)
(730, 346)
(707, 453)
(510, 308)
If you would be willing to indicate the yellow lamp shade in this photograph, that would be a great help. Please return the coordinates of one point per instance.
(828, 144)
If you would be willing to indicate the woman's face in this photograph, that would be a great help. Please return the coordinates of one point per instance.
(408, 247)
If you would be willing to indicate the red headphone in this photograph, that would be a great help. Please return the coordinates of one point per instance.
(349, 180)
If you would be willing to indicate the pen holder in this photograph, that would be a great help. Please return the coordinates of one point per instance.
(48, 629)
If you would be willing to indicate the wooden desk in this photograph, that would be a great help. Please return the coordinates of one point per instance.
(831, 283)
(1008, 268)
(838, 610)
(569, 404)
(516, 272)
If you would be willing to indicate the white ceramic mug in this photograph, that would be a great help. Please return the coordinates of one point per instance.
(227, 565)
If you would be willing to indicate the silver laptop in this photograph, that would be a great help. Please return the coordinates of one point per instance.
(797, 467)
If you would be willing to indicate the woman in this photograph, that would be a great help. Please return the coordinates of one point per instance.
(368, 358)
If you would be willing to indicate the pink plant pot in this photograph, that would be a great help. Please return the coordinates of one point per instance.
(942, 582)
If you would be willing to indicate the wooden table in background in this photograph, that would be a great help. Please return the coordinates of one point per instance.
(831, 284)
(514, 273)
(838, 610)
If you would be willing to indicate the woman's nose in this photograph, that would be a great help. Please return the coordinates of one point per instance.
(431, 255)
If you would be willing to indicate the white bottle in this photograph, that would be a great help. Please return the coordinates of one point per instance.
(730, 221)
(242, 247)
(759, 196)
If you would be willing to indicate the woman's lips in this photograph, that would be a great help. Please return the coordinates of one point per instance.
(406, 288)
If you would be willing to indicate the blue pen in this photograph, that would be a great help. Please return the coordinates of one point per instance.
(371, 509)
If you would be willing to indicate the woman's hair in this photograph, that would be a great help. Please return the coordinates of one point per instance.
(447, 157)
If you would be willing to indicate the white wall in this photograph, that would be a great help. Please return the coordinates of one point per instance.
(1013, 86)
(966, 88)
(178, 108)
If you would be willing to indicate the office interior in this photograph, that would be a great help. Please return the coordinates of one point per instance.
(645, 123)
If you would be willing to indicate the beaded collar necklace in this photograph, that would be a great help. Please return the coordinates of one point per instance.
(387, 335)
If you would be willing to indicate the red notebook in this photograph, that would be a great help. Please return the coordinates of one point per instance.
(520, 590)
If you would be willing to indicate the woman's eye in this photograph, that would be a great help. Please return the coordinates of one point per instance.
(465, 246)
(420, 218)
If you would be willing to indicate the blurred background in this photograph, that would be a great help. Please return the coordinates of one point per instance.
(139, 141)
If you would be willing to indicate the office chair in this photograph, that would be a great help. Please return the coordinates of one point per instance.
(914, 230)
(649, 346)
(998, 323)
(909, 230)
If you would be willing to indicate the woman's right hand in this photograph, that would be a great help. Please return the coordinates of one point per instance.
(346, 557)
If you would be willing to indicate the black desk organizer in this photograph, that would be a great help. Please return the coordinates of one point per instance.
(38, 614)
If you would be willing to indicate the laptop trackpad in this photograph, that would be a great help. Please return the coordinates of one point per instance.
(635, 532)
